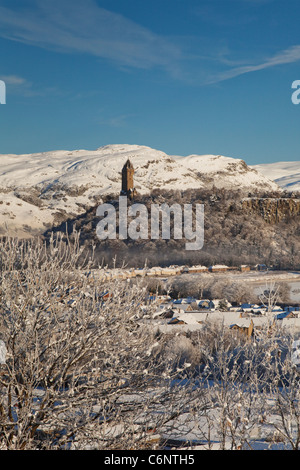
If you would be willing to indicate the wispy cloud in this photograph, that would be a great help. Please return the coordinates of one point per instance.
(82, 26)
(17, 85)
(287, 56)
(13, 80)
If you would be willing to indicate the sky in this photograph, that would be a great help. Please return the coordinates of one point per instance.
(181, 76)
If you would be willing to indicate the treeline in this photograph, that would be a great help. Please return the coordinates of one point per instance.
(232, 236)
(229, 289)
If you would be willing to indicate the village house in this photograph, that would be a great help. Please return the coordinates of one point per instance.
(261, 267)
(206, 304)
(197, 269)
(286, 314)
(245, 328)
(218, 268)
(244, 268)
(182, 308)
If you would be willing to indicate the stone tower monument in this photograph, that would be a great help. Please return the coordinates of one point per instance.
(127, 180)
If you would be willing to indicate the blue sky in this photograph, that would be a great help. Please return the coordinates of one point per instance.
(181, 76)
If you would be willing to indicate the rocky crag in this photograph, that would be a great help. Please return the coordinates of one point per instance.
(272, 210)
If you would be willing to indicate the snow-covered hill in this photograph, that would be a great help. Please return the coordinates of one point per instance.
(285, 174)
(227, 172)
(37, 190)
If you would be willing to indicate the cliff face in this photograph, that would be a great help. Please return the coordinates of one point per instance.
(273, 210)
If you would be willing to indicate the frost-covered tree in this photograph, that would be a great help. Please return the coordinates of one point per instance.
(80, 369)
(84, 367)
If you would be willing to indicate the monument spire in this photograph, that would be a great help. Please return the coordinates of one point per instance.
(127, 180)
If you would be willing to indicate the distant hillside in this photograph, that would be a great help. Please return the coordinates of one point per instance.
(40, 190)
(237, 230)
(285, 174)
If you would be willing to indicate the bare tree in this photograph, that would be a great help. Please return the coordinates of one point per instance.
(84, 367)
(282, 409)
(251, 397)
(270, 296)
(81, 369)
